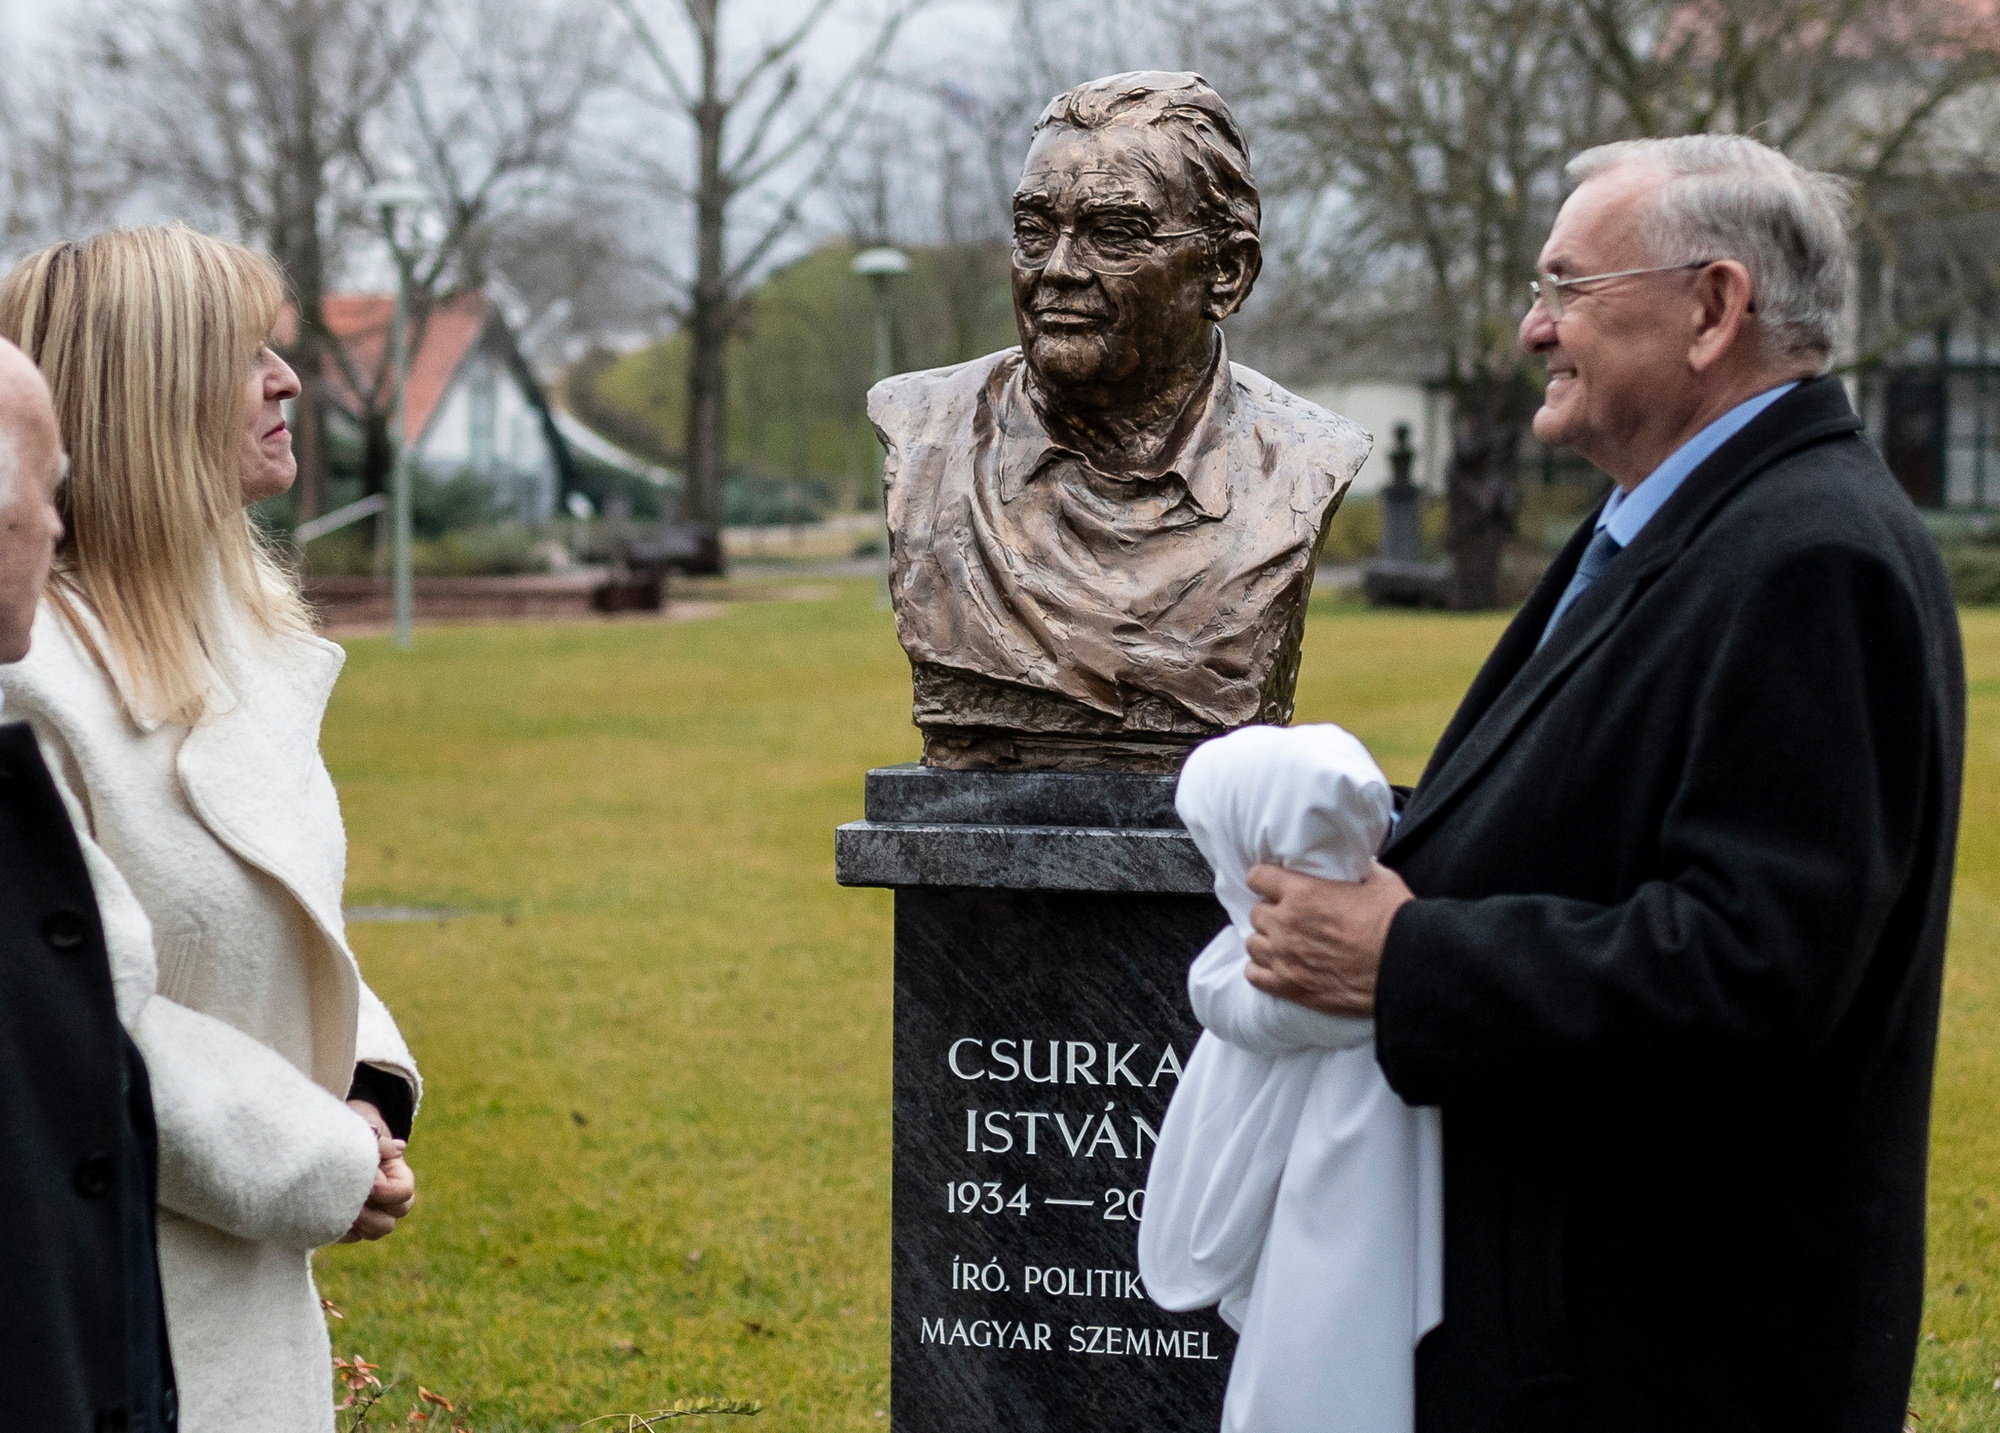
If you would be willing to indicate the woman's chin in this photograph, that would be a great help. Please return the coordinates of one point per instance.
(273, 479)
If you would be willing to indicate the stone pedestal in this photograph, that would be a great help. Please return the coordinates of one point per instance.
(1399, 576)
(1044, 926)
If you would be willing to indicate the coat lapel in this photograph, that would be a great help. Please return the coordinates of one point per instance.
(1518, 678)
(253, 774)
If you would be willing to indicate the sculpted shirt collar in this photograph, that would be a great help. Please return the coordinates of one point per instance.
(1200, 459)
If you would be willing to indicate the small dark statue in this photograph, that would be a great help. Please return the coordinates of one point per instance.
(1103, 539)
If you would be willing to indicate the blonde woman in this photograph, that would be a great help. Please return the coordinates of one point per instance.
(177, 688)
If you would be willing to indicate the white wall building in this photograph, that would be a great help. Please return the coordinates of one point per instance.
(471, 406)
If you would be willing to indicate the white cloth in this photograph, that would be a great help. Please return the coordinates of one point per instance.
(218, 857)
(1291, 1186)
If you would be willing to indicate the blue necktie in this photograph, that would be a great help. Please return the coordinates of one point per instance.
(1596, 557)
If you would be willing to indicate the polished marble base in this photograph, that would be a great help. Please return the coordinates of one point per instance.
(1041, 1022)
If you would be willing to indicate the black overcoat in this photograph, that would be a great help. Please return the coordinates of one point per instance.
(79, 1291)
(1674, 969)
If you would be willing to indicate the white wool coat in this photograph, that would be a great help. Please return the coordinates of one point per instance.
(218, 858)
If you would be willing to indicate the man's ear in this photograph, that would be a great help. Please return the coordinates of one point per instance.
(1724, 309)
(1233, 271)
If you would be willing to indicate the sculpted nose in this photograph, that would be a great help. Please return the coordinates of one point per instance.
(1062, 267)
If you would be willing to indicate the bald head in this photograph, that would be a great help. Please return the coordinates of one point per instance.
(28, 438)
(31, 461)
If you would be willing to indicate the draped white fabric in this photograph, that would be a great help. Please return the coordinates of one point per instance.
(1291, 1186)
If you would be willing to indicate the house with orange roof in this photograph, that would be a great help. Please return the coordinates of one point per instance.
(471, 407)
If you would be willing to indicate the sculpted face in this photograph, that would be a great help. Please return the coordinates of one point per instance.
(1113, 199)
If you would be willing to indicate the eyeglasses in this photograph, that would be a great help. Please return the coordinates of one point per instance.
(1548, 289)
(1116, 247)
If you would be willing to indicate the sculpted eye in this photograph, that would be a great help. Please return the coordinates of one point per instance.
(1032, 235)
(1120, 240)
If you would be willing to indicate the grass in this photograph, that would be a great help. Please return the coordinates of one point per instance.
(655, 1152)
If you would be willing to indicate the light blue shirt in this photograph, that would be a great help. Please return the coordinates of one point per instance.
(1627, 512)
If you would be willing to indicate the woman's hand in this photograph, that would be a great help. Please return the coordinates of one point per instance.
(395, 1191)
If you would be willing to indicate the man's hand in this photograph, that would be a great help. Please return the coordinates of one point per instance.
(395, 1191)
(1319, 943)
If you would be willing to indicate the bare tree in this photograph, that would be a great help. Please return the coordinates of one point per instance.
(59, 176)
(1903, 96)
(760, 130)
(1422, 143)
(488, 119)
(271, 117)
(251, 110)
(1432, 133)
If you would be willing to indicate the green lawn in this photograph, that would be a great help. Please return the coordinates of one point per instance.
(655, 1151)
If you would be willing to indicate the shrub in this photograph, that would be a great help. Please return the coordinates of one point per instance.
(1975, 572)
(506, 550)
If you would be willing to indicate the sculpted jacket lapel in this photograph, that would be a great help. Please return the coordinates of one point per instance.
(1517, 678)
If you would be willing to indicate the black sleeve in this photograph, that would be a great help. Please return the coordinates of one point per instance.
(1783, 850)
(388, 1092)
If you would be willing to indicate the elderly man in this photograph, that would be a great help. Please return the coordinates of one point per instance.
(1661, 929)
(81, 1320)
(1104, 538)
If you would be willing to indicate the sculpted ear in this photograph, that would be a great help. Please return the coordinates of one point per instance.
(1232, 273)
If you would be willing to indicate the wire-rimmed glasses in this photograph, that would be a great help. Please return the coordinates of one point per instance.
(1115, 246)
(1548, 288)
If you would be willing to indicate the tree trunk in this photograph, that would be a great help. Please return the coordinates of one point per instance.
(377, 457)
(708, 317)
(309, 423)
(1482, 483)
(302, 258)
(297, 243)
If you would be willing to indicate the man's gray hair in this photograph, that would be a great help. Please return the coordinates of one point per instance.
(1727, 196)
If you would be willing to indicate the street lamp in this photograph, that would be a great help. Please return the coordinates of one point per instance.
(879, 265)
(389, 197)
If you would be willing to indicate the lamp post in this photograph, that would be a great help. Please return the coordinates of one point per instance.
(879, 265)
(390, 197)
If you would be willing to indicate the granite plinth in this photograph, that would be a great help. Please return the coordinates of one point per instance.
(1030, 831)
(1041, 1025)
(1035, 798)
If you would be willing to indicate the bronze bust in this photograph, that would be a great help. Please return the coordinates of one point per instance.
(1102, 541)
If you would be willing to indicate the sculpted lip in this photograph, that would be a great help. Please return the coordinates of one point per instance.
(1068, 318)
(274, 432)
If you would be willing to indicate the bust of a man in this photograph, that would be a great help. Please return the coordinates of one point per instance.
(1103, 540)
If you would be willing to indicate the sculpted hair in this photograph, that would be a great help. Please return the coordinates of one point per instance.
(1727, 196)
(1184, 104)
(147, 337)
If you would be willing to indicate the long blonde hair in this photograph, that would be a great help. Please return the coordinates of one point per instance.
(147, 337)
